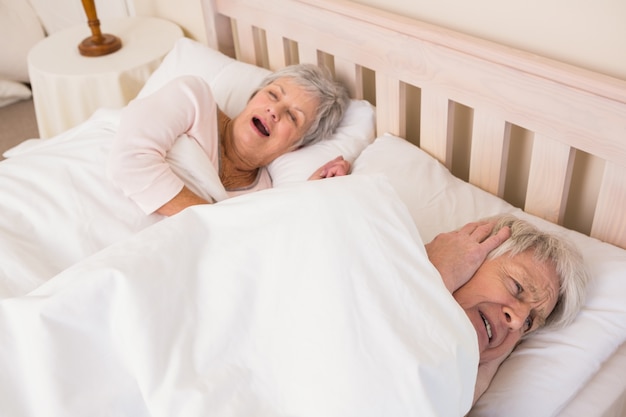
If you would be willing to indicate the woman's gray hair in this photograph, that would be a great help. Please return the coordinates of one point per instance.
(332, 96)
(549, 247)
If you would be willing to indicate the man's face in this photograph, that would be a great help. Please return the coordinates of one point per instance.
(507, 298)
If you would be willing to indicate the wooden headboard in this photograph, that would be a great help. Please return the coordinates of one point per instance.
(477, 106)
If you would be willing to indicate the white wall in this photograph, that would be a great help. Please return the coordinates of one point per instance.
(590, 34)
(185, 13)
(61, 14)
(56, 15)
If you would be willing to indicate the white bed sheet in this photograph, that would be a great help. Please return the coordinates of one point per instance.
(605, 394)
(315, 299)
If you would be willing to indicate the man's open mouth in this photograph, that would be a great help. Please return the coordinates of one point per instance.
(260, 126)
(487, 326)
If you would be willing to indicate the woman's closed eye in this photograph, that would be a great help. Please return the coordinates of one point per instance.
(274, 97)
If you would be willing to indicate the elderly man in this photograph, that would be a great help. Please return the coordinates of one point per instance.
(511, 279)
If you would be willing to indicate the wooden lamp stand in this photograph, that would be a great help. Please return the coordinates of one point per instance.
(97, 44)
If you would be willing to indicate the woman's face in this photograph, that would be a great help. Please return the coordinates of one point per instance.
(273, 122)
(507, 298)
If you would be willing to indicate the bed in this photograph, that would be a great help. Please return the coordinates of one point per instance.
(106, 311)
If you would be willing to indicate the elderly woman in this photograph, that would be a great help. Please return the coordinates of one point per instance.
(293, 107)
(511, 279)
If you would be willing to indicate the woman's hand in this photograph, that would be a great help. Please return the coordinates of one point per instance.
(335, 168)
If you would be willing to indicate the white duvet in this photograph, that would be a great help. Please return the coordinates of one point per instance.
(310, 300)
(59, 207)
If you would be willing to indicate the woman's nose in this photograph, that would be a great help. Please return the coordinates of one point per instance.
(274, 111)
(515, 315)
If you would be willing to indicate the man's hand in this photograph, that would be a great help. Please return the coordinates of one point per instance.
(335, 168)
(457, 255)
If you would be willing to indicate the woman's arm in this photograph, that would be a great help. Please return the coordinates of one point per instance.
(185, 198)
(148, 129)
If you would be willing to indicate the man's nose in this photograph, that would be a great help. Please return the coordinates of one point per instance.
(516, 314)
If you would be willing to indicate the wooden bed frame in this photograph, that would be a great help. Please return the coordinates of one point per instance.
(425, 81)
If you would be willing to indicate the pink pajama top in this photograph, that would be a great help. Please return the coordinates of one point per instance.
(149, 128)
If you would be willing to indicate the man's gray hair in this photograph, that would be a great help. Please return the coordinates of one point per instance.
(332, 96)
(563, 255)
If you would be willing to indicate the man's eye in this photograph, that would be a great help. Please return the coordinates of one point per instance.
(272, 95)
(528, 324)
(292, 117)
(518, 287)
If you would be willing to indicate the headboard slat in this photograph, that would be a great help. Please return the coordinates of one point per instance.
(549, 179)
(490, 146)
(307, 54)
(436, 125)
(277, 51)
(351, 76)
(246, 51)
(219, 32)
(609, 222)
(390, 118)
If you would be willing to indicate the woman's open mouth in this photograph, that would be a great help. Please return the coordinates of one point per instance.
(260, 126)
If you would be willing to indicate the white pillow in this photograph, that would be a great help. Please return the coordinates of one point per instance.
(12, 91)
(548, 368)
(233, 82)
(20, 30)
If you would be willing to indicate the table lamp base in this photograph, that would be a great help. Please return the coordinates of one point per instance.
(99, 45)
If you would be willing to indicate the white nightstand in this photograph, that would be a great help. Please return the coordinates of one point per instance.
(68, 87)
